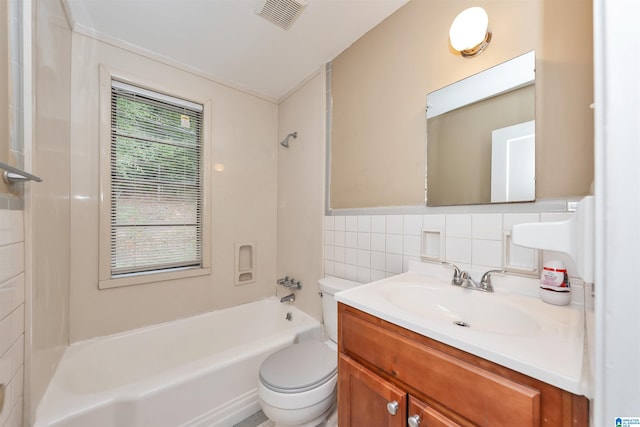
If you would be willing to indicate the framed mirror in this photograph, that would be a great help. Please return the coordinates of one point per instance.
(481, 137)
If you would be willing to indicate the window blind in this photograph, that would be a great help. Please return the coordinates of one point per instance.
(156, 184)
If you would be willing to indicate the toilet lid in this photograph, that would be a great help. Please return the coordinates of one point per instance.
(299, 367)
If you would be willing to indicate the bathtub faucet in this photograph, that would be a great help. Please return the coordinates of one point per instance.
(288, 298)
(289, 282)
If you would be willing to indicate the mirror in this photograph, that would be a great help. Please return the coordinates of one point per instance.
(481, 137)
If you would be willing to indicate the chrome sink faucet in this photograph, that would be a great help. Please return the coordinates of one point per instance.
(464, 279)
(485, 280)
(457, 279)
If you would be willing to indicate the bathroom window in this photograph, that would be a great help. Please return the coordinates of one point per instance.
(155, 186)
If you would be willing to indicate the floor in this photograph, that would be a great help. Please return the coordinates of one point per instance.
(259, 419)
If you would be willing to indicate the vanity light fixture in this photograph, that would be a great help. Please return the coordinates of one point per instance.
(469, 33)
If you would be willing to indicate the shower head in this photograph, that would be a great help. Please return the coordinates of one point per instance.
(285, 142)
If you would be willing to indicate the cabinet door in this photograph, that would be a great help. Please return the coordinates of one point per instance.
(422, 415)
(489, 399)
(365, 399)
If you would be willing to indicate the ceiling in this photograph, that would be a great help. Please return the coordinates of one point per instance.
(225, 39)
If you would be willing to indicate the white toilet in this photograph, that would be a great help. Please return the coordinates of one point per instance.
(298, 384)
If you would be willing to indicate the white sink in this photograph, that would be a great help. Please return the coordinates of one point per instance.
(510, 326)
(480, 311)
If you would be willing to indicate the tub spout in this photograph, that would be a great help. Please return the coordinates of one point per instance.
(288, 298)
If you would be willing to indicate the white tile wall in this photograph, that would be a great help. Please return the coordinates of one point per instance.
(12, 314)
(379, 246)
(12, 247)
(394, 224)
(364, 224)
(520, 259)
(458, 225)
(378, 224)
(412, 225)
(458, 251)
(378, 242)
(486, 226)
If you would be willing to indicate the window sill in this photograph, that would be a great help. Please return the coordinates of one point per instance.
(153, 277)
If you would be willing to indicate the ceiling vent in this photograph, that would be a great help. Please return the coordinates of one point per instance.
(283, 13)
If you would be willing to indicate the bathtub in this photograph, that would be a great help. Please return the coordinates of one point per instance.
(193, 372)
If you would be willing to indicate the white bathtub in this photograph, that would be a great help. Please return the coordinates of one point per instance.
(195, 372)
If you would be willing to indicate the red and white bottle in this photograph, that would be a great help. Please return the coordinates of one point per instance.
(554, 283)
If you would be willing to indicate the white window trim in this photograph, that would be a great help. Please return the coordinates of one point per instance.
(105, 281)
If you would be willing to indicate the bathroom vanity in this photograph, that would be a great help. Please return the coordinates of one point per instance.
(390, 375)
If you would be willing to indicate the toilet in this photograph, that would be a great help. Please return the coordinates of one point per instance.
(297, 384)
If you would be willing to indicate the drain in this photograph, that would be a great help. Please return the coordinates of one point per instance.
(461, 323)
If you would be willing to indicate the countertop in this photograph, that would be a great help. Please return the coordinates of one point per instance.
(532, 337)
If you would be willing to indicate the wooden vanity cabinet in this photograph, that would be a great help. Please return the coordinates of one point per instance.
(365, 399)
(387, 374)
(365, 396)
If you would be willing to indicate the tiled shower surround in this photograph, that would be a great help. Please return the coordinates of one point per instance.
(12, 315)
(367, 248)
(12, 241)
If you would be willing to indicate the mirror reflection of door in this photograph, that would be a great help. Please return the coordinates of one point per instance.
(513, 163)
(460, 120)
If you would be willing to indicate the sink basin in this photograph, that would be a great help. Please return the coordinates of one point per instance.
(512, 326)
(479, 311)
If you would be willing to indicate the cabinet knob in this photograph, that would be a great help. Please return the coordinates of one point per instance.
(414, 421)
(393, 407)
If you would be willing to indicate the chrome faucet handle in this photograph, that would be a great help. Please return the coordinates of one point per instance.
(289, 282)
(293, 284)
(458, 276)
(283, 281)
(485, 281)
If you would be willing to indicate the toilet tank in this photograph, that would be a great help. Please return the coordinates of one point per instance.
(329, 286)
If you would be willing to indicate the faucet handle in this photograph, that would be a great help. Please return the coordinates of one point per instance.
(293, 284)
(282, 281)
(485, 281)
(289, 282)
(457, 274)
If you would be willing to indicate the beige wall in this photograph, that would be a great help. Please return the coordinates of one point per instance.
(244, 134)
(48, 205)
(380, 83)
(301, 171)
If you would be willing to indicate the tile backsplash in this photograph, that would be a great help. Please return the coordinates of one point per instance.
(366, 248)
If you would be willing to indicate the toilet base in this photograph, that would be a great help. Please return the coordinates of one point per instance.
(300, 417)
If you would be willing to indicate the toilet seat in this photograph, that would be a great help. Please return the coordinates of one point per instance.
(299, 368)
